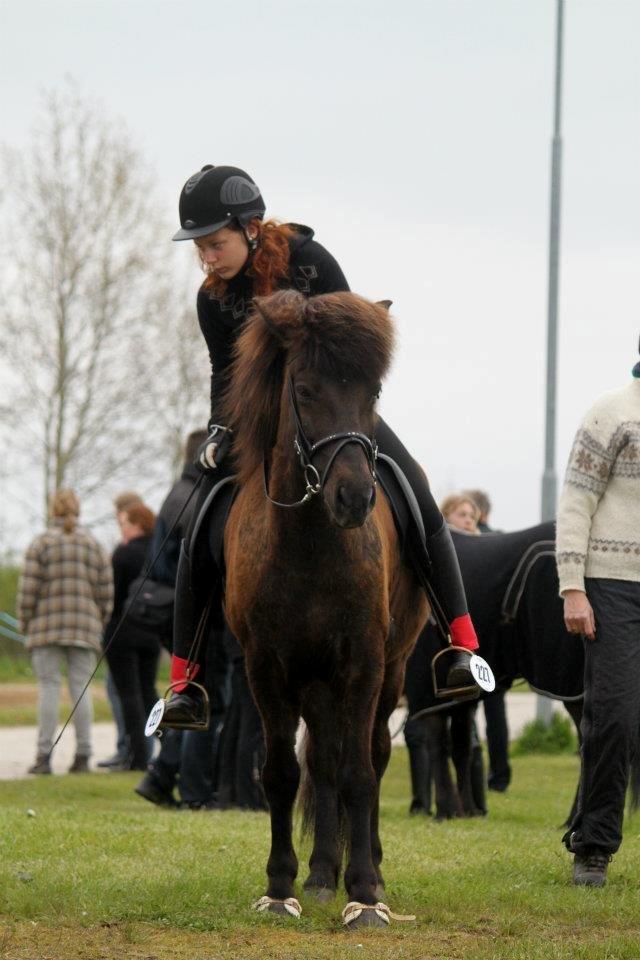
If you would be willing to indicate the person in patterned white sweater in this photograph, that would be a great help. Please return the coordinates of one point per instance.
(598, 559)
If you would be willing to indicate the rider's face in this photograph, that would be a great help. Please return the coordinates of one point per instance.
(225, 252)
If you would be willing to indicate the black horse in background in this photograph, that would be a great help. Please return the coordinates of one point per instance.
(512, 590)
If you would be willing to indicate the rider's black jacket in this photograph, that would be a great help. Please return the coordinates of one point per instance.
(312, 270)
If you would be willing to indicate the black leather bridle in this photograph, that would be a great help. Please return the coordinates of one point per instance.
(305, 451)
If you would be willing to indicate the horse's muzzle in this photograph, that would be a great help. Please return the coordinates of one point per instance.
(353, 504)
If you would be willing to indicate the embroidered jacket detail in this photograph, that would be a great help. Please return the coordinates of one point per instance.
(303, 277)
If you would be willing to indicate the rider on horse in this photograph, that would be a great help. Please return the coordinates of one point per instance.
(243, 256)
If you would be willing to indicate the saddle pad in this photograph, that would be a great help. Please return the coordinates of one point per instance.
(211, 520)
(404, 507)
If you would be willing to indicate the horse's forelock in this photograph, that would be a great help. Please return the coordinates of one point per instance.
(348, 336)
(338, 335)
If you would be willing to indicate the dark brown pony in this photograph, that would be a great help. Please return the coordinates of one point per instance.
(317, 594)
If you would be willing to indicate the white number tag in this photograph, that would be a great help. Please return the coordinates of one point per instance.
(482, 673)
(155, 718)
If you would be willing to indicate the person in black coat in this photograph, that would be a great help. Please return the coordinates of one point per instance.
(187, 758)
(243, 256)
(132, 652)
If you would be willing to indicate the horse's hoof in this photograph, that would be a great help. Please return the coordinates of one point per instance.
(319, 894)
(284, 908)
(357, 916)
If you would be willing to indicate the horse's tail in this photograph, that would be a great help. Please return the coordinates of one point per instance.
(306, 792)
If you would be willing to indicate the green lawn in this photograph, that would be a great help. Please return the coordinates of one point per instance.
(99, 874)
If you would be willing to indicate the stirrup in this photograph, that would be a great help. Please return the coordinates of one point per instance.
(469, 691)
(202, 722)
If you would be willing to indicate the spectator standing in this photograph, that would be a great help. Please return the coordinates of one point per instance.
(125, 499)
(64, 600)
(132, 652)
(187, 758)
(598, 557)
(242, 747)
(494, 704)
(463, 514)
(482, 501)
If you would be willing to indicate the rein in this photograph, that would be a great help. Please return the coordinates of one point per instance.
(305, 451)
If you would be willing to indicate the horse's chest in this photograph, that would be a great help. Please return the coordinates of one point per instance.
(310, 599)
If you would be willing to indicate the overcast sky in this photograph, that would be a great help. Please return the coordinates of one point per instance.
(415, 138)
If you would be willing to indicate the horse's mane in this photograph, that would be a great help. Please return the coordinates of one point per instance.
(338, 335)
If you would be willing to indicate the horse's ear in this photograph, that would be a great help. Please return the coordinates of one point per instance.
(282, 313)
(384, 303)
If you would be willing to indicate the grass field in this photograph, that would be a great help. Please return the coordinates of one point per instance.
(99, 874)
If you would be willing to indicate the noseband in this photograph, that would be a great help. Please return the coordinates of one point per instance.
(306, 451)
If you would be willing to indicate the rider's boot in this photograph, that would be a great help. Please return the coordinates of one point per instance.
(186, 705)
(447, 582)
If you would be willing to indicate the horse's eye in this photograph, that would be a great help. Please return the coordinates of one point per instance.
(303, 394)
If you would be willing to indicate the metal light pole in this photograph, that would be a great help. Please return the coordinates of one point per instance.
(544, 706)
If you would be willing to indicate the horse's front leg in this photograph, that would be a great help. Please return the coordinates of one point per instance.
(280, 779)
(380, 753)
(323, 716)
(357, 788)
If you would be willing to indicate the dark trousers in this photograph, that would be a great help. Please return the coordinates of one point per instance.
(133, 663)
(242, 750)
(189, 758)
(416, 685)
(495, 713)
(611, 717)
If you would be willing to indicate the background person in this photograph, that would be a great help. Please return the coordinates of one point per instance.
(482, 501)
(187, 758)
(125, 499)
(494, 704)
(64, 599)
(598, 558)
(132, 653)
(463, 514)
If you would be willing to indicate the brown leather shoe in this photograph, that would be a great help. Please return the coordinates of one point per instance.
(42, 764)
(590, 869)
(80, 764)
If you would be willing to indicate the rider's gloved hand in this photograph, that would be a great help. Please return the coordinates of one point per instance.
(215, 448)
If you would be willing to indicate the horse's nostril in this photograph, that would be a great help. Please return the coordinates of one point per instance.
(359, 501)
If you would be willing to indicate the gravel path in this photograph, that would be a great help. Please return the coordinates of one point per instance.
(17, 744)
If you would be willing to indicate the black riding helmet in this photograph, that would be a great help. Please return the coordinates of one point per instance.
(215, 196)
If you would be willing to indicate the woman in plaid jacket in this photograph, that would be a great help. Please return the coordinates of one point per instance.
(65, 597)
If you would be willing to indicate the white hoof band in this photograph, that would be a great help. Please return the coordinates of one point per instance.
(353, 910)
(291, 905)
